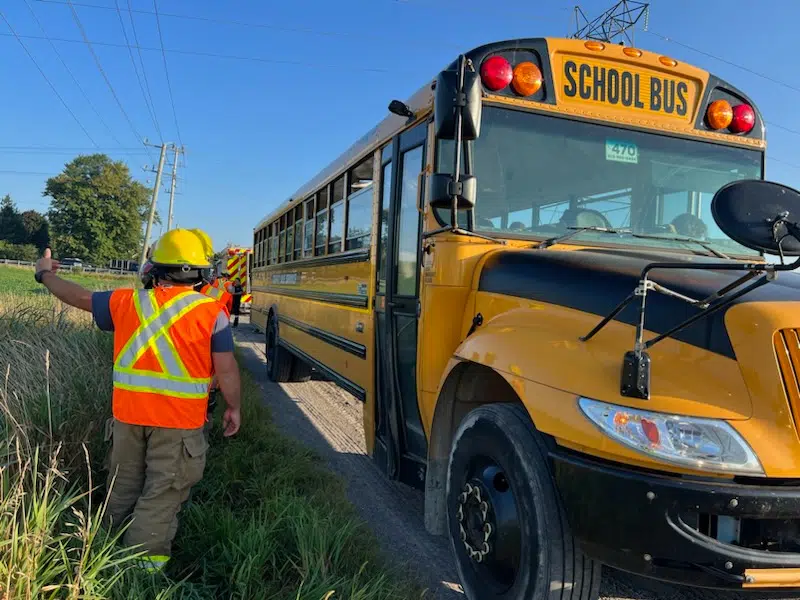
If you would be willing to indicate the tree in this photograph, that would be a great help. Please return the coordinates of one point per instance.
(97, 209)
(11, 229)
(37, 229)
(25, 252)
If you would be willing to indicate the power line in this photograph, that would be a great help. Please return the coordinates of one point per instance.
(738, 66)
(141, 62)
(47, 79)
(783, 127)
(71, 74)
(150, 110)
(216, 21)
(257, 59)
(784, 162)
(12, 172)
(166, 71)
(102, 72)
(139, 48)
(70, 152)
(74, 148)
(727, 62)
(369, 36)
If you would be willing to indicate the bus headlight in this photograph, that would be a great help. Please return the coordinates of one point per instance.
(701, 444)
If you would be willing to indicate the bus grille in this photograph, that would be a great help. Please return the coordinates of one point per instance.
(787, 349)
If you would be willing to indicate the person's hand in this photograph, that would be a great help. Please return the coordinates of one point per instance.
(231, 421)
(47, 263)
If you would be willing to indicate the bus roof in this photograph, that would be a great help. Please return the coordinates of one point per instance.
(421, 103)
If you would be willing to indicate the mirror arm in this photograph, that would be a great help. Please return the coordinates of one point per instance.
(460, 102)
(468, 170)
(726, 301)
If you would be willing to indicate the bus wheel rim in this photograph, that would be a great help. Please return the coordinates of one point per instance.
(489, 525)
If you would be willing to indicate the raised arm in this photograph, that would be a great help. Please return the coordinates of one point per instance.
(66, 291)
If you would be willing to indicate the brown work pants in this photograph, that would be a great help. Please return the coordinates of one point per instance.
(151, 472)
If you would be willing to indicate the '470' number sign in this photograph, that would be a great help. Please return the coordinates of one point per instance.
(620, 151)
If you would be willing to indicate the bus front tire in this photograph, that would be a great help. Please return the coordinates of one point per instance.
(279, 359)
(508, 531)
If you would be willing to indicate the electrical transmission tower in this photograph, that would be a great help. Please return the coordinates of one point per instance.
(617, 21)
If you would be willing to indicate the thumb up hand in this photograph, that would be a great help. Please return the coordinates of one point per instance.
(46, 263)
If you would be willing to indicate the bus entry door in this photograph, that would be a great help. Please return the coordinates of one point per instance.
(401, 447)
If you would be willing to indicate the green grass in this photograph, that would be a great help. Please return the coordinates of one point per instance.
(19, 280)
(267, 521)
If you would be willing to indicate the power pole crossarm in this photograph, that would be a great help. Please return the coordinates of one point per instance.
(153, 204)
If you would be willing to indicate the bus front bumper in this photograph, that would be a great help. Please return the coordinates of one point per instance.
(698, 533)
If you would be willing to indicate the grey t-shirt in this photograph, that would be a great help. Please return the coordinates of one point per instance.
(221, 336)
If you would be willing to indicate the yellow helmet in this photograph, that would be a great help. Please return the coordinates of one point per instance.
(182, 248)
(209, 247)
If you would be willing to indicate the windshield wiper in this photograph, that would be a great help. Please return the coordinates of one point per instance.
(575, 231)
(688, 240)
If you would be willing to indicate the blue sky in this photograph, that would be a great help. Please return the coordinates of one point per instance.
(309, 80)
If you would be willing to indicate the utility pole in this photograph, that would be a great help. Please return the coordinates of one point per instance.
(153, 203)
(172, 187)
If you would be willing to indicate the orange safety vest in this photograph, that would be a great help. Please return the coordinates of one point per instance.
(162, 356)
(220, 295)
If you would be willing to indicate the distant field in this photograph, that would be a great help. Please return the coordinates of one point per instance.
(19, 281)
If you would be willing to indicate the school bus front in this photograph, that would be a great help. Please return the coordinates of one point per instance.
(591, 166)
(466, 340)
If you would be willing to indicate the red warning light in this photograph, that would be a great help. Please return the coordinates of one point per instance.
(496, 73)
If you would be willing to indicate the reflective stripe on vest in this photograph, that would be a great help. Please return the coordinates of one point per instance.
(213, 292)
(154, 322)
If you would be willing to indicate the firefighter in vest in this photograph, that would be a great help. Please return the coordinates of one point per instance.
(168, 343)
(225, 299)
(220, 294)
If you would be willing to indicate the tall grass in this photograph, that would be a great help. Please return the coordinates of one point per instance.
(267, 521)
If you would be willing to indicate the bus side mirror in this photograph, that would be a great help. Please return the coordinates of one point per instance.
(443, 186)
(449, 99)
(761, 215)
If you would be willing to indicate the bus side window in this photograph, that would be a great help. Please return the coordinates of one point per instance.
(386, 186)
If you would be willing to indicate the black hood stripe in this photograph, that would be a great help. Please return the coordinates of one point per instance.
(595, 281)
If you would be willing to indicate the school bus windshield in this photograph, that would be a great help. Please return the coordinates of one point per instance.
(539, 175)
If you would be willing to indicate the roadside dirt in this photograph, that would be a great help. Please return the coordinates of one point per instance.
(328, 420)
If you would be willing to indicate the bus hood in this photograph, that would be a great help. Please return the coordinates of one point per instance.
(596, 280)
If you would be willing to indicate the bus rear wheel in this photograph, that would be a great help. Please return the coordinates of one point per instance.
(508, 531)
(301, 371)
(279, 359)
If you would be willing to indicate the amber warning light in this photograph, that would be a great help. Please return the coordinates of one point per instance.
(736, 119)
(524, 78)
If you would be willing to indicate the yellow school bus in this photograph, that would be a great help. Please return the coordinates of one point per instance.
(492, 318)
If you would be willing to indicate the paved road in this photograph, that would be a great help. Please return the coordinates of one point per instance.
(327, 419)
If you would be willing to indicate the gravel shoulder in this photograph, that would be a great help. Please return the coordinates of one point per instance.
(328, 420)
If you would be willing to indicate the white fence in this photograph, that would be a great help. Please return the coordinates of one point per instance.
(70, 268)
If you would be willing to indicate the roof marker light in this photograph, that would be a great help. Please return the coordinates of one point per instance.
(634, 52)
(667, 61)
(496, 73)
(596, 46)
(527, 79)
(744, 119)
(719, 114)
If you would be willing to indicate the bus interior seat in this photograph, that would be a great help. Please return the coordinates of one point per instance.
(517, 226)
(689, 225)
(584, 217)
